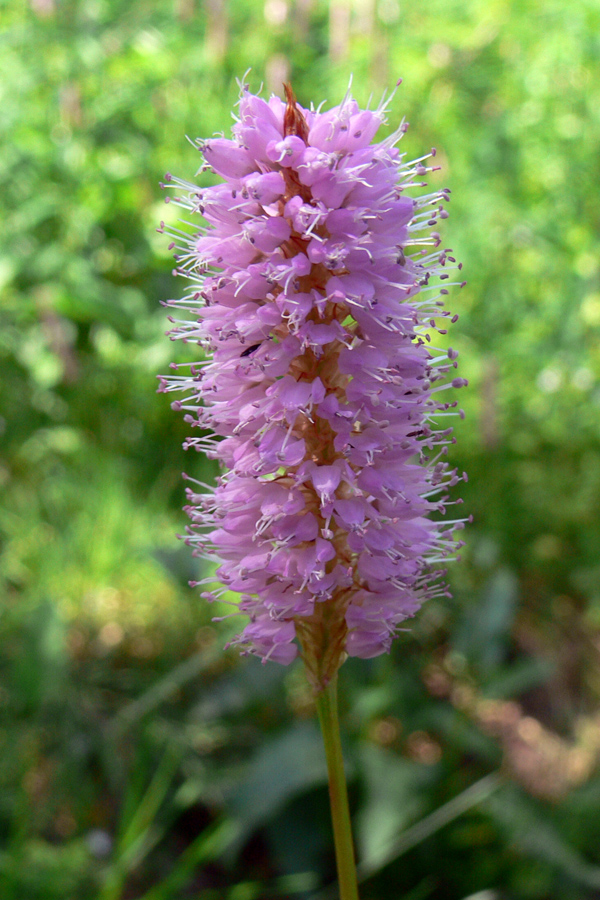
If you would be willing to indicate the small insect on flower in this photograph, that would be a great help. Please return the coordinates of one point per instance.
(310, 294)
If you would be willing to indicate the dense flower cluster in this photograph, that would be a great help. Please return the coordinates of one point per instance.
(310, 288)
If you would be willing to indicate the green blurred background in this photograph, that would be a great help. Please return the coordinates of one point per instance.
(139, 760)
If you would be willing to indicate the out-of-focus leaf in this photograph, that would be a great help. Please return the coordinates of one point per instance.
(394, 797)
(293, 762)
(298, 834)
(233, 691)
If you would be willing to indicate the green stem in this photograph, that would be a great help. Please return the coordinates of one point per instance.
(338, 793)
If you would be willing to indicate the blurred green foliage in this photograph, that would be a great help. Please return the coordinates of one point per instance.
(139, 760)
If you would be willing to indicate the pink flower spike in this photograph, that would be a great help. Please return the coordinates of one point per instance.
(314, 294)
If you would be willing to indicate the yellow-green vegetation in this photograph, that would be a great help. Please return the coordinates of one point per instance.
(138, 759)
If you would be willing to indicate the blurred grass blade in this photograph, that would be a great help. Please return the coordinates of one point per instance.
(162, 690)
(289, 885)
(408, 839)
(535, 835)
(470, 797)
(484, 895)
(140, 834)
(209, 844)
(153, 798)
